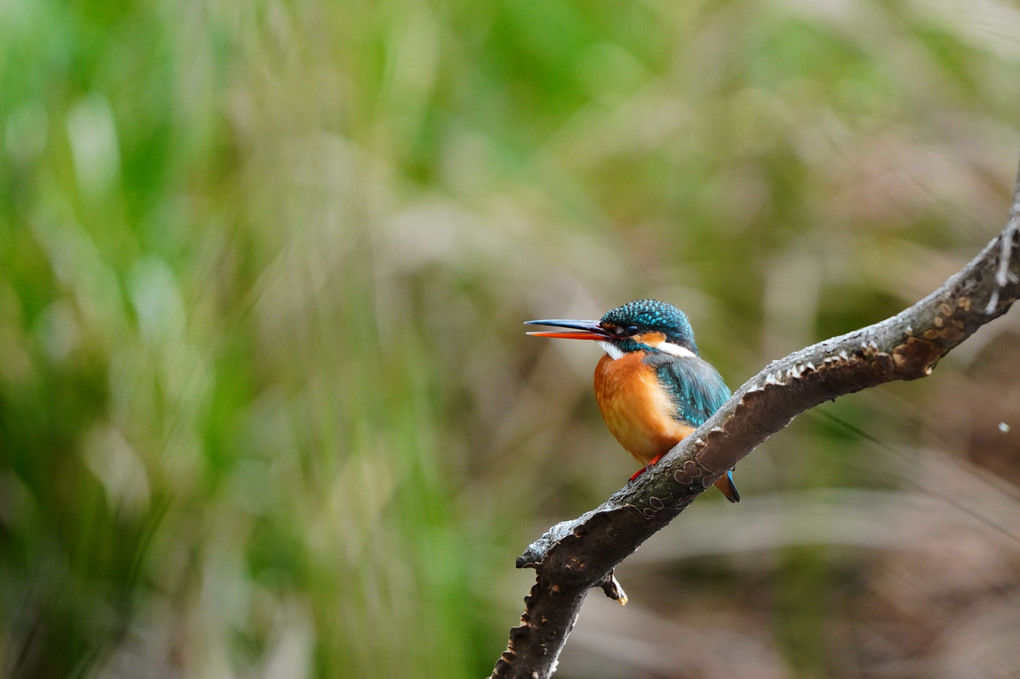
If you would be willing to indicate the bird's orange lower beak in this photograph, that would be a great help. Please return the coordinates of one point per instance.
(568, 335)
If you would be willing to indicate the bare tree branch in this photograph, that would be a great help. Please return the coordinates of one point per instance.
(576, 555)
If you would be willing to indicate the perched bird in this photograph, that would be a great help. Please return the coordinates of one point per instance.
(651, 386)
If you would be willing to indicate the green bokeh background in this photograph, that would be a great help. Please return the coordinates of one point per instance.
(266, 405)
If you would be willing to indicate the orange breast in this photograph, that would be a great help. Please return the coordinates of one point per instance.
(638, 412)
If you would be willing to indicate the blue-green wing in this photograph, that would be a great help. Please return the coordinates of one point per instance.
(697, 389)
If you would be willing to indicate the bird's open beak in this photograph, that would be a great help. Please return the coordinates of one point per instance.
(586, 330)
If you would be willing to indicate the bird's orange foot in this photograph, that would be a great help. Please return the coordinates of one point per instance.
(651, 463)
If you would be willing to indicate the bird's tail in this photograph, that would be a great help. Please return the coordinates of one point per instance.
(728, 488)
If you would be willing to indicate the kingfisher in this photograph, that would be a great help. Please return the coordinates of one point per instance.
(652, 387)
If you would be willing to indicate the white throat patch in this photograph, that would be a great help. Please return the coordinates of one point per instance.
(611, 349)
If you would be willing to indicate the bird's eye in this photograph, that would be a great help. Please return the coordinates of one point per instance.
(631, 329)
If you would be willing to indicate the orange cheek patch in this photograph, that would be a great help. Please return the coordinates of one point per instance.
(651, 338)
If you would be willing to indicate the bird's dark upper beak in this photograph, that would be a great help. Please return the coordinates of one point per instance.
(586, 330)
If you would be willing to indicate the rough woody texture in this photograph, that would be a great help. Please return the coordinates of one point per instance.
(574, 556)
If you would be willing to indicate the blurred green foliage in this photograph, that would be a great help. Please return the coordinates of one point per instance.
(266, 408)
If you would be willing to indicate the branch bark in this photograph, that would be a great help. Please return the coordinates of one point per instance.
(574, 556)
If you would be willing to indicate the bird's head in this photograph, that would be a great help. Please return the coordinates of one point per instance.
(642, 325)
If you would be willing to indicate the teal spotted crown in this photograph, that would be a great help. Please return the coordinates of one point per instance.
(651, 315)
